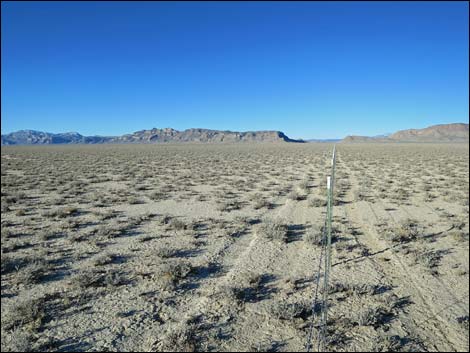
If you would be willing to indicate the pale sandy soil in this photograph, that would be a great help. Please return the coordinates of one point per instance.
(163, 247)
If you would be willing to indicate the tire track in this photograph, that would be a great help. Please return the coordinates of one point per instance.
(437, 324)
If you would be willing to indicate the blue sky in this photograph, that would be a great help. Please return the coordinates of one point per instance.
(312, 70)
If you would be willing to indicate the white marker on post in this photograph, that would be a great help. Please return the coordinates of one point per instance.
(328, 182)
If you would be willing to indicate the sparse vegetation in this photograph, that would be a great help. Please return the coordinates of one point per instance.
(222, 253)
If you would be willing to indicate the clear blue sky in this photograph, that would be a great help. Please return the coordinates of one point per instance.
(312, 70)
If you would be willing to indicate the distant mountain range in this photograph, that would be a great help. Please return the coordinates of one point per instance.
(437, 133)
(324, 140)
(31, 137)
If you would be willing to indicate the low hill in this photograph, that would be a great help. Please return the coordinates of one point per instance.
(457, 132)
(443, 132)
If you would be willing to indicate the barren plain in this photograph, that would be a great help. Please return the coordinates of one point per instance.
(201, 247)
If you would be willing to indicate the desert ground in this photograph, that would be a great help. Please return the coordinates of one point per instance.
(199, 247)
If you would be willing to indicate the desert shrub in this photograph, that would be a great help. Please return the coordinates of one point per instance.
(17, 340)
(360, 194)
(134, 200)
(234, 293)
(261, 203)
(77, 237)
(429, 259)
(59, 201)
(22, 312)
(46, 235)
(33, 273)
(61, 212)
(314, 236)
(459, 235)
(141, 187)
(463, 321)
(400, 194)
(296, 195)
(289, 311)
(7, 233)
(107, 215)
(356, 289)
(177, 224)
(408, 230)
(273, 230)
(105, 259)
(107, 231)
(245, 290)
(145, 238)
(228, 205)
(21, 212)
(172, 273)
(372, 316)
(388, 343)
(158, 195)
(114, 279)
(86, 278)
(317, 201)
(181, 338)
(304, 184)
(165, 252)
(10, 263)
(428, 197)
